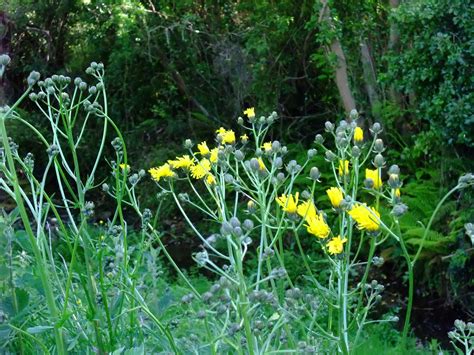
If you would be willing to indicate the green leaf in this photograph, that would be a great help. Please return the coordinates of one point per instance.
(39, 329)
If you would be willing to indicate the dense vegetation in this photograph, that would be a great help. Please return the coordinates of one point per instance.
(97, 253)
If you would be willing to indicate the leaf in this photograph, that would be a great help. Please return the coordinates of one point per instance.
(39, 329)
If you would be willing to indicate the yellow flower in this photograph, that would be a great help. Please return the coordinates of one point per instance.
(396, 192)
(335, 196)
(124, 166)
(203, 148)
(343, 167)
(227, 136)
(244, 138)
(250, 112)
(288, 203)
(366, 218)
(374, 175)
(160, 172)
(317, 226)
(214, 155)
(201, 169)
(210, 179)
(358, 135)
(336, 245)
(267, 147)
(307, 209)
(261, 164)
(183, 162)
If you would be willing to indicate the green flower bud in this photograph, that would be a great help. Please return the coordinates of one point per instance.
(354, 115)
(188, 144)
(33, 78)
(379, 161)
(378, 146)
(312, 153)
(319, 139)
(5, 59)
(329, 126)
(239, 156)
(330, 156)
(314, 173)
(399, 209)
(33, 97)
(376, 128)
(92, 90)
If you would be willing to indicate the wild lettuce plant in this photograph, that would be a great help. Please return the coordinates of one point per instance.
(263, 310)
(92, 292)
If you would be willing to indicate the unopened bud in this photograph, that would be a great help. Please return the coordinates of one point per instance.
(314, 173)
(239, 156)
(329, 126)
(376, 128)
(378, 146)
(399, 209)
(354, 115)
(319, 139)
(330, 156)
(311, 153)
(355, 151)
(379, 161)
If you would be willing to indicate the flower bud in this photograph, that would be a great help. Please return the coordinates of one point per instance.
(369, 183)
(89, 71)
(330, 156)
(379, 161)
(278, 162)
(378, 146)
(240, 121)
(105, 187)
(251, 208)
(188, 144)
(319, 139)
(329, 126)
(234, 222)
(254, 164)
(5, 59)
(33, 78)
(276, 146)
(399, 209)
(353, 115)
(229, 179)
(248, 224)
(306, 195)
(394, 169)
(33, 97)
(314, 173)
(280, 177)
(50, 90)
(394, 181)
(376, 128)
(52, 151)
(93, 65)
(284, 150)
(311, 153)
(237, 231)
(239, 156)
(466, 180)
(92, 90)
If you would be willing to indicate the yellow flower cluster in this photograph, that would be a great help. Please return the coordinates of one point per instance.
(289, 203)
(343, 167)
(163, 171)
(358, 135)
(335, 196)
(367, 218)
(250, 112)
(226, 136)
(336, 245)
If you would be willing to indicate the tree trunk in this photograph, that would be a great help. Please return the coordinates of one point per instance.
(335, 48)
(394, 46)
(370, 78)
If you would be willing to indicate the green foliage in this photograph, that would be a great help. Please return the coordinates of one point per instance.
(433, 65)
